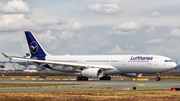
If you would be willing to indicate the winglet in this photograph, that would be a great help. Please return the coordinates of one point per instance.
(6, 56)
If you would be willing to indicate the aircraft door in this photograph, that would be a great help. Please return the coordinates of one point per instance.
(123, 62)
(155, 62)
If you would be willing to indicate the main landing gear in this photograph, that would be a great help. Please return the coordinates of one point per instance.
(105, 78)
(158, 77)
(81, 78)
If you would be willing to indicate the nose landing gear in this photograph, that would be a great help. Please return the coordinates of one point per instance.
(158, 77)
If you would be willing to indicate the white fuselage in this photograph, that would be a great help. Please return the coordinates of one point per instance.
(118, 63)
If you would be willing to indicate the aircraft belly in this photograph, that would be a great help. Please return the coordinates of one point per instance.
(157, 69)
(65, 69)
(111, 72)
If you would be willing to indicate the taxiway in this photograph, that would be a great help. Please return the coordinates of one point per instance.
(116, 85)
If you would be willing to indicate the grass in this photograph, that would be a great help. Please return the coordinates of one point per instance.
(38, 84)
(90, 95)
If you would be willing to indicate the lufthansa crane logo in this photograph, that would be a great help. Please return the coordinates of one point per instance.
(34, 47)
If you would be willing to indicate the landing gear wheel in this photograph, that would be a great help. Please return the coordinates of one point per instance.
(158, 78)
(81, 78)
(78, 78)
(86, 79)
(105, 78)
(108, 78)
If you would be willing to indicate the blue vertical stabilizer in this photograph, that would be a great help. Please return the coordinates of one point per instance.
(35, 47)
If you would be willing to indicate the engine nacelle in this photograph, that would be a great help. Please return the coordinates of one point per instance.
(132, 75)
(92, 72)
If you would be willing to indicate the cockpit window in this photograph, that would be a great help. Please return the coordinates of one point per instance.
(168, 61)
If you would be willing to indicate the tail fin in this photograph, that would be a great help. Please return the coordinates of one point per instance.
(35, 47)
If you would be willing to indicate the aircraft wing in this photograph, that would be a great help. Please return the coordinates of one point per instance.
(65, 64)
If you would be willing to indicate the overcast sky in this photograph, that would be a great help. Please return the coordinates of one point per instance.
(95, 27)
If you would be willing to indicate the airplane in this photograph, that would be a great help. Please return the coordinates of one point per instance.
(30, 71)
(7, 69)
(96, 66)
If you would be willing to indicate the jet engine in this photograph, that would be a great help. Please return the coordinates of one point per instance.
(132, 75)
(92, 72)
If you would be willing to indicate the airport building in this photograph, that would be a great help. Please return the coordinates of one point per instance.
(18, 66)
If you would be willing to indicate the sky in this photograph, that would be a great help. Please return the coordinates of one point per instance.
(92, 27)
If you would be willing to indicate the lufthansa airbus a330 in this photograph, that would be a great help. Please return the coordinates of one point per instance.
(96, 66)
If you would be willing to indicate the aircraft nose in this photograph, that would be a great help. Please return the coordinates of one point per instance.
(174, 65)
